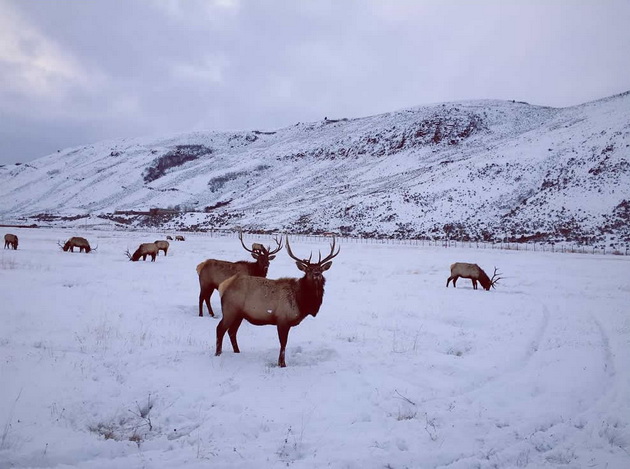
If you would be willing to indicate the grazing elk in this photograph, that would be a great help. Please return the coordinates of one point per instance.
(474, 273)
(77, 242)
(212, 271)
(162, 246)
(179, 238)
(10, 241)
(283, 303)
(169, 237)
(145, 249)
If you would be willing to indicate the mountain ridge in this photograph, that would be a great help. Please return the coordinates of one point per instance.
(482, 170)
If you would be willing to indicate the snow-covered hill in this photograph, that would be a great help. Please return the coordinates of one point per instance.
(466, 170)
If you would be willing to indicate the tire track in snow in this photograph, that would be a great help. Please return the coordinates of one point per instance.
(609, 364)
(555, 441)
(518, 365)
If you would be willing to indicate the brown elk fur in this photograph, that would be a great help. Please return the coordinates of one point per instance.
(162, 246)
(212, 272)
(77, 242)
(144, 250)
(283, 303)
(179, 238)
(10, 241)
(474, 273)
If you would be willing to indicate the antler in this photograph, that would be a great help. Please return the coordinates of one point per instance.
(240, 236)
(59, 244)
(267, 249)
(292, 256)
(320, 260)
(332, 252)
(128, 253)
(278, 242)
(494, 280)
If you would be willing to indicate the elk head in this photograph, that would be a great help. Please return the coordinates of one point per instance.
(261, 253)
(313, 271)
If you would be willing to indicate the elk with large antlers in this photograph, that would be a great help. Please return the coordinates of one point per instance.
(283, 303)
(474, 273)
(212, 271)
(144, 250)
(10, 241)
(77, 242)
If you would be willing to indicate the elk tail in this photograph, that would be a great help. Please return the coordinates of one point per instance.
(226, 283)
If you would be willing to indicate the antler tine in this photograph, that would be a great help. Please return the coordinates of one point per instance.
(292, 256)
(240, 236)
(278, 242)
(332, 252)
(494, 280)
(128, 253)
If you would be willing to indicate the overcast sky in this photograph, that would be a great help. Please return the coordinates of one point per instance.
(74, 72)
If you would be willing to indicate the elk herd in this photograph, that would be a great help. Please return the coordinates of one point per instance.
(247, 294)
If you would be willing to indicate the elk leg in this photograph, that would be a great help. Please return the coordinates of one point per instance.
(153, 257)
(448, 281)
(201, 298)
(474, 283)
(283, 335)
(455, 281)
(221, 329)
(204, 295)
(232, 333)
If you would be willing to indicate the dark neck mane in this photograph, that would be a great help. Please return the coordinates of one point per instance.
(309, 296)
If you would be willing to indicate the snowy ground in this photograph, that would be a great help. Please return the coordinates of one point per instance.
(104, 363)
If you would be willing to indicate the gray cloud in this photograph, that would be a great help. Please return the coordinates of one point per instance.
(73, 72)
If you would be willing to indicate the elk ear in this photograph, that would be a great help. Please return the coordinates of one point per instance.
(301, 266)
(254, 255)
(272, 258)
(326, 266)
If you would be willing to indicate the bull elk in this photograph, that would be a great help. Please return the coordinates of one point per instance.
(283, 303)
(474, 273)
(212, 271)
(145, 249)
(162, 246)
(10, 241)
(77, 242)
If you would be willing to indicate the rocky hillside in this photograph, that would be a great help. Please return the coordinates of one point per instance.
(468, 170)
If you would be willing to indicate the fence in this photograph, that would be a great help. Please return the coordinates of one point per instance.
(510, 246)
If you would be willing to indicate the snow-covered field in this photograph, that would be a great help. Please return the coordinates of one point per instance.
(104, 363)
